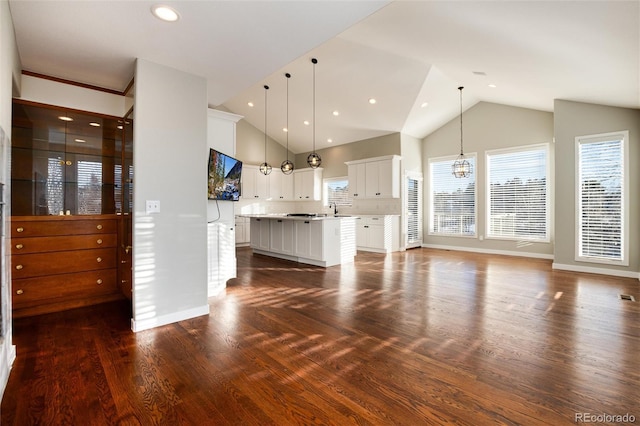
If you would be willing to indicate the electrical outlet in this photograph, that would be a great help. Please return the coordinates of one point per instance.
(153, 206)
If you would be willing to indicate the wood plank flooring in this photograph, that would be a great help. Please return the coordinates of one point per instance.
(423, 337)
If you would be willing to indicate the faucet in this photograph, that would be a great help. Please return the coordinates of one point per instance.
(335, 208)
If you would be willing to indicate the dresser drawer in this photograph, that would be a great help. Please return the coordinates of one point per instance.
(55, 227)
(28, 292)
(61, 262)
(62, 243)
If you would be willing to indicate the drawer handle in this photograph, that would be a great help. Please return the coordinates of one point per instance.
(99, 240)
(99, 281)
(19, 291)
(20, 229)
(19, 267)
(99, 227)
(99, 259)
(19, 246)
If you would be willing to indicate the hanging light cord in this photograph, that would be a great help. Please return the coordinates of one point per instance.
(288, 76)
(315, 61)
(461, 150)
(265, 123)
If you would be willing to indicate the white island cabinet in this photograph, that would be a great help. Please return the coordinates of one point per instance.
(321, 241)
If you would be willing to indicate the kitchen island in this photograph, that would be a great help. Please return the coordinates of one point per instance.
(306, 238)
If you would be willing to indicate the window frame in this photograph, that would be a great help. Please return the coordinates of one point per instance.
(623, 137)
(449, 159)
(502, 151)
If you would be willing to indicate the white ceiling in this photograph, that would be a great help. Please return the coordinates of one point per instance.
(402, 53)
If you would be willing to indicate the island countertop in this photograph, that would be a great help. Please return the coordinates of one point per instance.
(299, 216)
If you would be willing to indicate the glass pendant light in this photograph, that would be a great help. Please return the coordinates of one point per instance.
(461, 167)
(313, 160)
(265, 168)
(287, 166)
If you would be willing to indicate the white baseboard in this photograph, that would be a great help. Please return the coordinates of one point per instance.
(169, 318)
(592, 270)
(489, 251)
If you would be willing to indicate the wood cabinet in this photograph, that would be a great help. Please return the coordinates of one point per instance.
(378, 233)
(255, 185)
(63, 262)
(375, 177)
(307, 184)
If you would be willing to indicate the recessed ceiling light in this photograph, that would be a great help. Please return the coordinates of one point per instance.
(372, 101)
(80, 140)
(306, 122)
(424, 105)
(250, 104)
(336, 113)
(284, 129)
(330, 140)
(166, 13)
(493, 86)
(94, 124)
(65, 118)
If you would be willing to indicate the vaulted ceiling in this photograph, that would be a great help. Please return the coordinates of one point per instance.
(410, 56)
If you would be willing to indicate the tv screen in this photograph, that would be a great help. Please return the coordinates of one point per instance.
(224, 176)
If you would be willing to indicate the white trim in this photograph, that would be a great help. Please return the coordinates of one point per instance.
(622, 135)
(7, 355)
(592, 270)
(169, 318)
(490, 251)
(224, 115)
(368, 160)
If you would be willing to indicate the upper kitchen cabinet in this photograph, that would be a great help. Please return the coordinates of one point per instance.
(375, 177)
(255, 185)
(307, 184)
(65, 161)
(280, 186)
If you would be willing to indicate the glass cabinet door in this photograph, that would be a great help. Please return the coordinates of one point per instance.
(63, 161)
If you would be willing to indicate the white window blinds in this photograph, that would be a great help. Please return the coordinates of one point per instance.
(601, 201)
(517, 196)
(452, 200)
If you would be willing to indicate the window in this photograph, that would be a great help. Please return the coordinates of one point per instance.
(602, 193)
(336, 191)
(452, 200)
(517, 195)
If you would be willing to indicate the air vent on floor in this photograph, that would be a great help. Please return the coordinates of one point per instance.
(627, 297)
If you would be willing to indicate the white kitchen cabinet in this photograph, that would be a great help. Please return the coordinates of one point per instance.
(260, 233)
(375, 177)
(379, 234)
(357, 180)
(255, 185)
(282, 236)
(280, 186)
(309, 239)
(307, 184)
(243, 231)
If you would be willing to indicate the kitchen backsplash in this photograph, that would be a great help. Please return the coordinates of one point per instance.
(377, 206)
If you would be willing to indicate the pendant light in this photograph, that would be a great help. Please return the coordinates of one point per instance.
(314, 160)
(287, 166)
(461, 167)
(265, 168)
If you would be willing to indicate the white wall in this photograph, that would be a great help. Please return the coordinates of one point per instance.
(170, 165)
(55, 93)
(9, 73)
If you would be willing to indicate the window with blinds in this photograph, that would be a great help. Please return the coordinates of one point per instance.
(336, 191)
(602, 184)
(413, 200)
(452, 200)
(517, 195)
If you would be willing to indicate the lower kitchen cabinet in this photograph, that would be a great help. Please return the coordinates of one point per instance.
(379, 234)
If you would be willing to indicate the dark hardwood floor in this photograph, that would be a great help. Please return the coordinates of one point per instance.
(415, 338)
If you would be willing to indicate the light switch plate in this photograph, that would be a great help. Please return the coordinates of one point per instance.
(153, 206)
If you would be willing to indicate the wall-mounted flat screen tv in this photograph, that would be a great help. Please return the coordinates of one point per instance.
(224, 176)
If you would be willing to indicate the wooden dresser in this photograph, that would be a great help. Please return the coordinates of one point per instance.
(62, 262)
